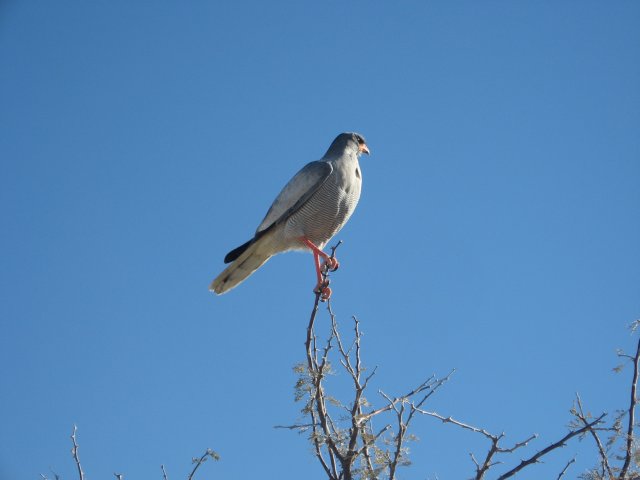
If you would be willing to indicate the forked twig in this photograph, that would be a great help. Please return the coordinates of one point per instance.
(199, 461)
(74, 452)
(632, 409)
(603, 454)
(560, 443)
(566, 467)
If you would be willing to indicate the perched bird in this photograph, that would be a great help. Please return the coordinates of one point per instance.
(308, 212)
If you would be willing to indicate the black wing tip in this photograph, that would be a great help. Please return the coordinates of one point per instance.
(236, 252)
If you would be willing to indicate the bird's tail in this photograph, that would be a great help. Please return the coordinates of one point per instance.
(248, 262)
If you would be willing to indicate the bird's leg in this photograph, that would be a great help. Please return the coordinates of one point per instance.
(316, 260)
(322, 286)
(331, 262)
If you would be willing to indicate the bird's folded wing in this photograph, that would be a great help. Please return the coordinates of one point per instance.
(295, 193)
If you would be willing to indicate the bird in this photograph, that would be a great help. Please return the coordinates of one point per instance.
(311, 208)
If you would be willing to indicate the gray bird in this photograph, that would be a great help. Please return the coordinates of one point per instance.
(308, 212)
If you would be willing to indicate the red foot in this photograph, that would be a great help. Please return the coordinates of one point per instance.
(332, 263)
(325, 294)
(323, 289)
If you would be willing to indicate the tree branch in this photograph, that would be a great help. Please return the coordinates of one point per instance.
(603, 455)
(315, 374)
(199, 461)
(74, 452)
(561, 474)
(341, 443)
(553, 446)
(632, 409)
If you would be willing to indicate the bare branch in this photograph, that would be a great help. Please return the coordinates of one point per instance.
(487, 464)
(343, 444)
(402, 428)
(355, 412)
(164, 473)
(560, 443)
(74, 452)
(393, 401)
(521, 444)
(333, 473)
(334, 248)
(603, 455)
(433, 387)
(199, 461)
(495, 448)
(456, 422)
(55, 475)
(296, 426)
(564, 470)
(632, 409)
(315, 373)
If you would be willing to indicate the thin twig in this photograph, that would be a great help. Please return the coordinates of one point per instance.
(432, 389)
(458, 423)
(518, 445)
(74, 452)
(603, 455)
(632, 409)
(316, 441)
(493, 450)
(201, 460)
(402, 428)
(398, 406)
(310, 335)
(297, 426)
(334, 248)
(198, 462)
(344, 445)
(164, 473)
(312, 363)
(565, 468)
(392, 402)
(319, 407)
(487, 464)
(553, 446)
(356, 408)
(365, 447)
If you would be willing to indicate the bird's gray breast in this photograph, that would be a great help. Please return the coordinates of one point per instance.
(326, 212)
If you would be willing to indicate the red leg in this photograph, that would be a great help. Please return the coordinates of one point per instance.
(316, 260)
(323, 284)
(332, 263)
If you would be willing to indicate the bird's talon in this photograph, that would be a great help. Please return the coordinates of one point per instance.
(320, 287)
(325, 294)
(332, 264)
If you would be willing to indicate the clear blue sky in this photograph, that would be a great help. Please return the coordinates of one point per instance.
(498, 230)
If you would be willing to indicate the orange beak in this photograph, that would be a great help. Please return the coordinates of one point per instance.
(363, 148)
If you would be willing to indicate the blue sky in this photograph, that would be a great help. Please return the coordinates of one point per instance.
(497, 231)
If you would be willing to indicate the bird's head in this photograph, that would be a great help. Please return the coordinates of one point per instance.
(348, 141)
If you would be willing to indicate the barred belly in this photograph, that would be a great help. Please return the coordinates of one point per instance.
(325, 213)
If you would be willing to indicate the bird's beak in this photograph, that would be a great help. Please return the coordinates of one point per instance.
(363, 148)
